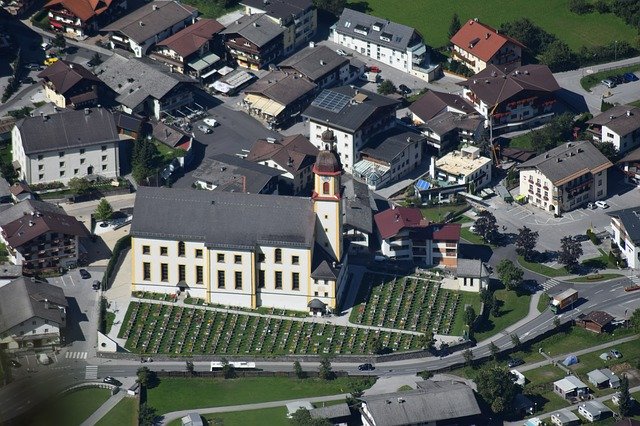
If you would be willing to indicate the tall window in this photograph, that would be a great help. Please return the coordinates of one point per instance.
(278, 278)
(146, 271)
(325, 187)
(199, 275)
(199, 253)
(220, 258)
(238, 280)
(181, 248)
(295, 260)
(163, 251)
(295, 281)
(164, 272)
(146, 250)
(278, 256)
(221, 279)
(261, 279)
(182, 273)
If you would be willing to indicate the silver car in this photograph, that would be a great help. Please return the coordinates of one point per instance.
(205, 129)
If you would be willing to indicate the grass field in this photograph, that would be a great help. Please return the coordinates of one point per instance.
(469, 236)
(514, 308)
(125, 413)
(267, 416)
(174, 394)
(543, 302)
(595, 278)
(593, 80)
(542, 269)
(72, 409)
(522, 141)
(432, 17)
(439, 212)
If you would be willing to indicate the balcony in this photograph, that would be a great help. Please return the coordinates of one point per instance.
(538, 184)
(545, 187)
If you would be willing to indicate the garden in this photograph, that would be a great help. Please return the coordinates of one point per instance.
(177, 330)
(415, 303)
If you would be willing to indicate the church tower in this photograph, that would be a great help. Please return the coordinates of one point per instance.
(326, 197)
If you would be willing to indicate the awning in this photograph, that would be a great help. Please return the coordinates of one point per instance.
(209, 73)
(316, 304)
(264, 105)
(225, 70)
(203, 62)
(422, 185)
(221, 87)
(520, 197)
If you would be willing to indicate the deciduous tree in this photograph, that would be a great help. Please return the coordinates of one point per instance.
(486, 226)
(325, 372)
(515, 341)
(146, 415)
(526, 242)
(497, 388)
(104, 211)
(297, 368)
(570, 252)
(469, 316)
(495, 351)
(625, 404)
(509, 274)
(454, 26)
(387, 87)
(468, 356)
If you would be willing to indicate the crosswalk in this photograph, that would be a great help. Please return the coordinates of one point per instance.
(76, 355)
(549, 284)
(635, 279)
(91, 372)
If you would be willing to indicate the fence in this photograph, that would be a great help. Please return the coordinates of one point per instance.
(243, 373)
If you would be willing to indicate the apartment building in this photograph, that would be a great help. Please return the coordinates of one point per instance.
(619, 125)
(464, 167)
(625, 227)
(254, 41)
(70, 85)
(81, 18)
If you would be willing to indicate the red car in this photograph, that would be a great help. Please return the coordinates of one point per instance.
(374, 69)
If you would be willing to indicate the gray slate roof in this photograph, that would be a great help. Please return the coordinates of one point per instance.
(23, 299)
(315, 62)
(330, 411)
(622, 119)
(234, 174)
(73, 129)
(280, 9)
(5, 188)
(567, 161)
(136, 79)
(258, 29)
(565, 416)
(223, 219)
(448, 121)
(630, 219)
(400, 35)
(386, 146)
(433, 402)
(357, 205)
(471, 268)
(282, 87)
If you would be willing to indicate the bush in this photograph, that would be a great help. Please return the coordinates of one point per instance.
(580, 6)
(122, 244)
(601, 6)
(46, 186)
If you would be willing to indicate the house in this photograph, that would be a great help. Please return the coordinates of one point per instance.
(59, 147)
(619, 125)
(171, 136)
(192, 50)
(564, 418)
(566, 177)
(231, 81)
(299, 18)
(388, 156)
(145, 87)
(320, 65)
(70, 85)
(192, 419)
(570, 387)
(596, 321)
(9, 273)
(18, 8)
(81, 18)
(448, 130)
(337, 414)
(477, 45)
(516, 155)
(128, 124)
(229, 173)
(148, 25)
(472, 275)
(278, 97)
(293, 407)
(358, 208)
(32, 314)
(603, 378)
(406, 235)
(630, 165)
(254, 41)
(5, 191)
(20, 191)
(433, 403)
(433, 103)
(593, 410)
(293, 155)
(353, 116)
(257, 250)
(394, 44)
(508, 101)
(40, 236)
(464, 167)
(625, 225)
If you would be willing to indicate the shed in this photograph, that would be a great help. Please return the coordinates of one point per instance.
(569, 387)
(564, 418)
(292, 407)
(192, 419)
(596, 321)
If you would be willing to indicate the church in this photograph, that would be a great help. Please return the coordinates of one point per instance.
(245, 250)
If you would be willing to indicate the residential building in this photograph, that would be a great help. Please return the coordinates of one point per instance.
(388, 156)
(5, 191)
(9, 273)
(566, 177)
(192, 419)
(192, 50)
(391, 43)
(520, 98)
(18, 8)
(477, 45)
(448, 130)
(433, 103)
(320, 65)
(464, 167)
(405, 234)
(358, 208)
(59, 147)
(128, 124)
(145, 87)
(472, 275)
(630, 165)
(432, 403)
(148, 25)
(70, 85)
(171, 136)
(229, 173)
(299, 18)
(6, 124)
(337, 414)
(564, 418)
(32, 314)
(515, 155)
(278, 97)
(619, 125)
(40, 236)
(353, 116)
(20, 191)
(594, 410)
(603, 378)
(293, 155)
(596, 321)
(570, 387)
(254, 41)
(81, 18)
(257, 250)
(625, 225)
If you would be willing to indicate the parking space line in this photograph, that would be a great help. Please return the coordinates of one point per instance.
(72, 281)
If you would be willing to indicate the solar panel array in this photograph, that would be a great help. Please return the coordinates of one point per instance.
(331, 101)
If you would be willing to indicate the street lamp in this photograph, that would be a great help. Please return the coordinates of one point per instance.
(615, 50)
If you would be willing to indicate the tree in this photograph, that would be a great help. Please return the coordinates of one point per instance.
(469, 316)
(526, 242)
(515, 341)
(497, 388)
(228, 370)
(297, 368)
(387, 87)
(570, 252)
(302, 417)
(495, 306)
(79, 186)
(377, 347)
(468, 356)
(104, 211)
(526, 32)
(608, 149)
(486, 225)
(190, 367)
(96, 59)
(59, 41)
(509, 274)
(625, 404)
(454, 26)
(146, 415)
(558, 56)
(556, 322)
(144, 376)
(332, 6)
(143, 159)
(635, 320)
(495, 351)
(580, 7)
(325, 372)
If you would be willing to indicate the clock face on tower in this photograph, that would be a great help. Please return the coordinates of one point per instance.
(326, 178)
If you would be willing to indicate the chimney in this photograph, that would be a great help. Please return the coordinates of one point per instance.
(87, 111)
(569, 144)
(628, 113)
(255, 24)
(400, 400)
(322, 62)
(46, 303)
(71, 66)
(486, 36)
(31, 223)
(141, 23)
(155, 7)
(44, 116)
(222, 169)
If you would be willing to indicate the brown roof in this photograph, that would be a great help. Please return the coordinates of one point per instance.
(598, 317)
(516, 154)
(64, 75)
(433, 103)
(19, 187)
(492, 85)
(481, 40)
(631, 157)
(168, 135)
(292, 153)
(392, 221)
(622, 119)
(83, 9)
(190, 39)
(282, 87)
(29, 227)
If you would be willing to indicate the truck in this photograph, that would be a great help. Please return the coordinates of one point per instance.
(561, 301)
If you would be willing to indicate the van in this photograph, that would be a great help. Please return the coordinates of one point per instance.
(591, 206)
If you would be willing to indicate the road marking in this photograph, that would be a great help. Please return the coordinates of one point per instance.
(76, 355)
(72, 282)
(91, 372)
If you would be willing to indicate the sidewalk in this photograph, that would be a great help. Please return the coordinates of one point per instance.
(104, 408)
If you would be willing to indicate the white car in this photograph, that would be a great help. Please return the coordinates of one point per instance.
(210, 122)
(602, 204)
(472, 229)
(205, 129)
(45, 46)
(341, 52)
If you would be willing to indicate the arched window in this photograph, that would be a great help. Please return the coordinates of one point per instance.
(325, 187)
(181, 248)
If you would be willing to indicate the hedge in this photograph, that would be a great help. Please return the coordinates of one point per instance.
(122, 244)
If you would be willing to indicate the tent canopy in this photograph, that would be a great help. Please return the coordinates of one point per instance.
(570, 360)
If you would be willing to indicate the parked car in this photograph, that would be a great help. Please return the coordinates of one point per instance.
(374, 68)
(514, 362)
(95, 285)
(33, 66)
(15, 364)
(50, 61)
(629, 76)
(210, 122)
(609, 83)
(84, 274)
(341, 52)
(404, 89)
(602, 204)
(616, 353)
(581, 237)
(28, 80)
(45, 45)
(591, 206)
(618, 79)
(472, 229)
(110, 380)
(204, 129)
(366, 367)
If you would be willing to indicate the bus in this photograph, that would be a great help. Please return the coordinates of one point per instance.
(238, 365)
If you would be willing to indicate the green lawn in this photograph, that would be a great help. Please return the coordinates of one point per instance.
(595, 278)
(167, 153)
(212, 9)
(125, 413)
(514, 308)
(432, 17)
(174, 394)
(522, 141)
(630, 355)
(543, 302)
(110, 318)
(268, 416)
(541, 375)
(594, 79)
(635, 103)
(72, 409)
(577, 338)
(542, 269)
(459, 327)
(469, 236)
(439, 212)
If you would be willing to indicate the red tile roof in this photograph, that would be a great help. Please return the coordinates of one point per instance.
(83, 9)
(447, 232)
(190, 39)
(481, 40)
(390, 222)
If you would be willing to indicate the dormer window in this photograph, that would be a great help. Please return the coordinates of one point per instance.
(361, 29)
(386, 37)
(377, 26)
